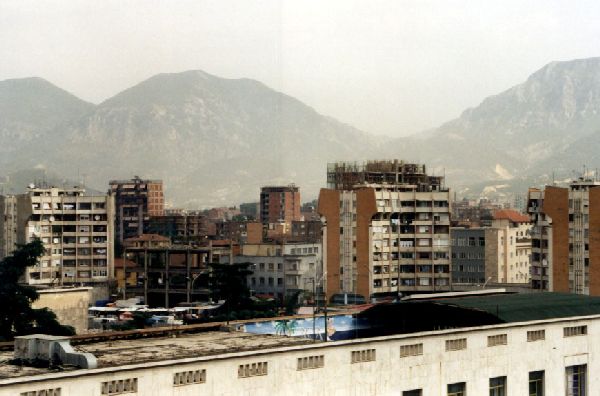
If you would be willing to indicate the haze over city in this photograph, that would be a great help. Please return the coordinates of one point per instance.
(385, 67)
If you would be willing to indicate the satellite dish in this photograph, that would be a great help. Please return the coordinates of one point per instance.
(97, 217)
(51, 218)
(31, 185)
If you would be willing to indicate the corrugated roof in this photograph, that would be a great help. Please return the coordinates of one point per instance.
(530, 306)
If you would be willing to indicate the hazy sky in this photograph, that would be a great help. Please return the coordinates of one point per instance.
(387, 67)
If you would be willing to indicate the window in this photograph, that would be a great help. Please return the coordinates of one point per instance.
(189, 377)
(252, 370)
(574, 331)
(576, 380)
(500, 339)
(311, 362)
(365, 355)
(498, 386)
(42, 392)
(414, 392)
(458, 389)
(411, 350)
(118, 387)
(536, 335)
(536, 383)
(455, 345)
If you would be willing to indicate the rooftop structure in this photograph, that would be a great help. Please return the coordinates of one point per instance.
(396, 173)
(503, 342)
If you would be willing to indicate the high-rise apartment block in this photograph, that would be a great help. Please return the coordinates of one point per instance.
(508, 248)
(77, 232)
(387, 229)
(280, 204)
(136, 201)
(566, 237)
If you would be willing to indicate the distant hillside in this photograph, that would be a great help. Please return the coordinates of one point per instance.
(549, 123)
(214, 141)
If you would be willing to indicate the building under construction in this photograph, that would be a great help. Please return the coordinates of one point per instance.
(396, 174)
(387, 229)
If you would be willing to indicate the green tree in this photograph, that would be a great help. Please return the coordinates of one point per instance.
(16, 315)
(228, 282)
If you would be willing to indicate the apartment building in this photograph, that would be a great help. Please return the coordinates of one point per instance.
(77, 232)
(508, 248)
(280, 270)
(387, 229)
(136, 200)
(566, 237)
(280, 204)
(8, 224)
(468, 255)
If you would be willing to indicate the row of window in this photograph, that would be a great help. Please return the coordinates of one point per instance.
(575, 377)
(67, 205)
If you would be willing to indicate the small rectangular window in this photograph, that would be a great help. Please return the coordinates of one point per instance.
(498, 386)
(118, 387)
(536, 335)
(311, 362)
(189, 377)
(536, 383)
(42, 392)
(576, 380)
(252, 369)
(500, 339)
(456, 345)
(411, 350)
(574, 331)
(414, 392)
(458, 389)
(365, 355)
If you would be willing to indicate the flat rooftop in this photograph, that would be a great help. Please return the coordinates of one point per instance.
(116, 353)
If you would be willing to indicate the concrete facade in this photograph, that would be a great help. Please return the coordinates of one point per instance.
(566, 237)
(468, 255)
(77, 233)
(69, 304)
(385, 239)
(136, 200)
(427, 362)
(280, 270)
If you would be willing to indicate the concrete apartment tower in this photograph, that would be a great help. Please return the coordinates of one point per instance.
(508, 248)
(566, 237)
(136, 201)
(387, 229)
(279, 204)
(77, 232)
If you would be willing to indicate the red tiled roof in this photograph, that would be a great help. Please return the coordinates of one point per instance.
(512, 215)
(120, 263)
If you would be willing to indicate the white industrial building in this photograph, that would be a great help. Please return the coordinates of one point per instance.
(559, 355)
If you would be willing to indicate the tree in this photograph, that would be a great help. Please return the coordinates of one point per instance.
(16, 315)
(228, 282)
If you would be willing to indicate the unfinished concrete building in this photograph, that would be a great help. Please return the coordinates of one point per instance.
(136, 201)
(387, 229)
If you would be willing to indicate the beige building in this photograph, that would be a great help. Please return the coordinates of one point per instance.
(508, 248)
(77, 232)
(387, 229)
(70, 305)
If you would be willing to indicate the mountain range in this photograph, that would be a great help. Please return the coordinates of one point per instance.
(216, 141)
